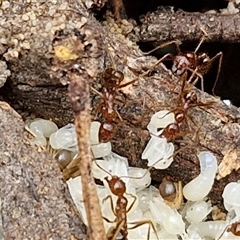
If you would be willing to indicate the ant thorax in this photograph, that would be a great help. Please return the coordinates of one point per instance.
(184, 61)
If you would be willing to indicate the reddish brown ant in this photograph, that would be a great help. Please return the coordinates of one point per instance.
(187, 99)
(118, 188)
(111, 82)
(192, 61)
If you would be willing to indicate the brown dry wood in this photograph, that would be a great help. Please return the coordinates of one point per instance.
(35, 203)
(165, 24)
(79, 86)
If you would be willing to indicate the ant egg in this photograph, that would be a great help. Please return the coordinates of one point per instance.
(42, 127)
(231, 196)
(158, 152)
(160, 120)
(64, 138)
(198, 211)
(200, 186)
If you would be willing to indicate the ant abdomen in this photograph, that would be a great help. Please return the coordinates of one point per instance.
(106, 131)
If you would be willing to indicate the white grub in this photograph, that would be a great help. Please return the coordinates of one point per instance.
(198, 211)
(42, 127)
(231, 196)
(145, 196)
(211, 229)
(141, 232)
(164, 235)
(64, 138)
(140, 178)
(200, 186)
(160, 120)
(158, 152)
(75, 190)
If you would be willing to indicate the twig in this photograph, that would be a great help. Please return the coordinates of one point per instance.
(79, 96)
(165, 24)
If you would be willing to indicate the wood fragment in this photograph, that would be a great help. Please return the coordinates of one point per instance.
(166, 24)
(80, 99)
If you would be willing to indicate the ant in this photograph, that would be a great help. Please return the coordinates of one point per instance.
(118, 188)
(192, 61)
(111, 82)
(187, 99)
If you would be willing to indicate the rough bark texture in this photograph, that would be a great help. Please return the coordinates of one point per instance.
(165, 24)
(30, 181)
(35, 202)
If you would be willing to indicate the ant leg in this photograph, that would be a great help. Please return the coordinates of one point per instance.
(138, 224)
(111, 203)
(113, 233)
(176, 42)
(133, 202)
(200, 43)
(220, 56)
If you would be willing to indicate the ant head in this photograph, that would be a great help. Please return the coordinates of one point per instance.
(117, 185)
(184, 61)
(111, 78)
(170, 131)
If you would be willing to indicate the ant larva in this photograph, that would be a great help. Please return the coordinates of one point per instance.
(192, 61)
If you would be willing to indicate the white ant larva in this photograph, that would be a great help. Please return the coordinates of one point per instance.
(200, 186)
(231, 196)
